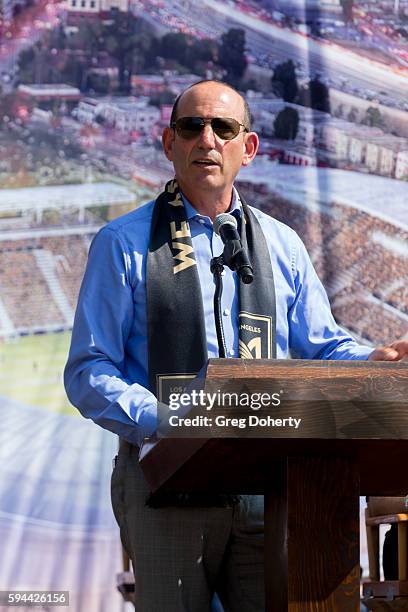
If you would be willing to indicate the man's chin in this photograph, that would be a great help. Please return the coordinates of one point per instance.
(200, 183)
(208, 181)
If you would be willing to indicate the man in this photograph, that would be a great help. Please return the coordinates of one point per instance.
(146, 310)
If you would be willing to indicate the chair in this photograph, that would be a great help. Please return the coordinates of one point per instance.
(125, 580)
(387, 511)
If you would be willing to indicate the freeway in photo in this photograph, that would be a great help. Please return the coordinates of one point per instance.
(343, 69)
(316, 54)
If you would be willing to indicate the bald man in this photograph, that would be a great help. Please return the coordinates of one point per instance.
(145, 312)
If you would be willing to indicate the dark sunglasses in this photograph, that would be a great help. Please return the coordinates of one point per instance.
(225, 128)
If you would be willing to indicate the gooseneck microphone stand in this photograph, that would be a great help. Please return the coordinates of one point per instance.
(217, 268)
(236, 258)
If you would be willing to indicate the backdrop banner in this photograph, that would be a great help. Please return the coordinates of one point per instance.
(85, 91)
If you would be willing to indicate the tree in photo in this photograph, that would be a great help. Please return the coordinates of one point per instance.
(127, 40)
(284, 81)
(315, 95)
(232, 55)
(339, 111)
(175, 46)
(319, 96)
(202, 55)
(81, 54)
(347, 6)
(286, 124)
(25, 64)
(373, 117)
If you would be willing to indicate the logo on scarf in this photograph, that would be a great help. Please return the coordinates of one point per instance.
(172, 187)
(255, 336)
(185, 250)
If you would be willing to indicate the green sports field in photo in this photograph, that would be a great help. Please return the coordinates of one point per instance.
(31, 370)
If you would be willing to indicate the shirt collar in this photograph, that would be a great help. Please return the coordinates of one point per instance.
(235, 208)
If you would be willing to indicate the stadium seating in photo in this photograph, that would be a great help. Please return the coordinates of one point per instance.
(40, 279)
(361, 259)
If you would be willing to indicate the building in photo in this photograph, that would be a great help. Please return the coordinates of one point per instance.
(96, 7)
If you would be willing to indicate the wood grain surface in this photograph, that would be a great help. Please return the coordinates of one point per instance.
(354, 441)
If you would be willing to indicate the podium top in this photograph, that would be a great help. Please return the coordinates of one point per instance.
(309, 368)
(355, 409)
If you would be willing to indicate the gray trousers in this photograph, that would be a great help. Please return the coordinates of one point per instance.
(181, 556)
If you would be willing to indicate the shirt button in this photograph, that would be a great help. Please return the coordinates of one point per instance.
(231, 352)
(202, 221)
(227, 312)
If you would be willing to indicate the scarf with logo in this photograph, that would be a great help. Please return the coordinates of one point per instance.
(177, 344)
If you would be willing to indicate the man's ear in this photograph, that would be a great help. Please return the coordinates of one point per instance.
(251, 145)
(167, 142)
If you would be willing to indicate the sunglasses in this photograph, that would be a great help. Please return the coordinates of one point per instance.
(225, 128)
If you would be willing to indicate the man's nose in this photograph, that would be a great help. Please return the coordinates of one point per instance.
(207, 137)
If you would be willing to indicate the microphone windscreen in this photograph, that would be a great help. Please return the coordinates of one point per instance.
(224, 219)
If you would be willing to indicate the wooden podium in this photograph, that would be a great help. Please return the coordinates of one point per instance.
(352, 440)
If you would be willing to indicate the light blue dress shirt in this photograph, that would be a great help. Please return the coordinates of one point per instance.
(106, 374)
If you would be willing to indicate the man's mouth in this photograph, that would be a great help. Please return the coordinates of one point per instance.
(205, 162)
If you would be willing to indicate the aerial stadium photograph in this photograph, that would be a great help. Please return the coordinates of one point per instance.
(87, 88)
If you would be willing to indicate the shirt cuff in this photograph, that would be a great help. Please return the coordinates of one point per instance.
(147, 422)
(356, 353)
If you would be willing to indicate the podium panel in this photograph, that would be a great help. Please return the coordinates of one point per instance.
(354, 442)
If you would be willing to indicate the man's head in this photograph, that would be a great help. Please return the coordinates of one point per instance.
(247, 113)
(205, 163)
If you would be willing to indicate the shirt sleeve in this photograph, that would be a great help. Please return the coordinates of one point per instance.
(93, 377)
(314, 333)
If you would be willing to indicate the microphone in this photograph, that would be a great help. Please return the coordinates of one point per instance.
(235, 256)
